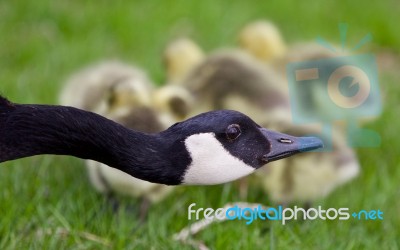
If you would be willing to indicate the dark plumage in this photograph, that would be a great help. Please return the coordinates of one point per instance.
(28, 130)
(177, 155)
(4, 102)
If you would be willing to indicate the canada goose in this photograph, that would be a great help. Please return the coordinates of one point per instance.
(211, 148)
(180, 56)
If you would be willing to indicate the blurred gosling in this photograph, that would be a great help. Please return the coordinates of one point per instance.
(173, 103)
(124, 94)
(263, 40)
(232, 79)
(180, 56)
(91, 88)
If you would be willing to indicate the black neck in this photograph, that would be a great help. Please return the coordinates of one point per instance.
(27, 130)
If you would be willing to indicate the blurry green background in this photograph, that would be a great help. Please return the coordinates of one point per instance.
(42, 43)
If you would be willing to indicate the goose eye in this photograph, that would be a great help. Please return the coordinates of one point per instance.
(233, 131)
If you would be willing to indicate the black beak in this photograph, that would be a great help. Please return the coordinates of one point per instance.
(283, 145)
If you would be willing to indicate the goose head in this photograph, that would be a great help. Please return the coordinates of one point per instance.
(222, 146)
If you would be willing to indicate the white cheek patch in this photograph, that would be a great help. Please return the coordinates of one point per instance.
(211, 162)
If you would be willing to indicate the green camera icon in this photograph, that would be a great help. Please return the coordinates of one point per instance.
(335, 89)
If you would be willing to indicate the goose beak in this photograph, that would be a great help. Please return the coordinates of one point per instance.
(283, 145)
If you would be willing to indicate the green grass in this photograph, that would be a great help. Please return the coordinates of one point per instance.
(43, 42)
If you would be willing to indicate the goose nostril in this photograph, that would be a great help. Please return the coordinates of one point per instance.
(284, 140)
